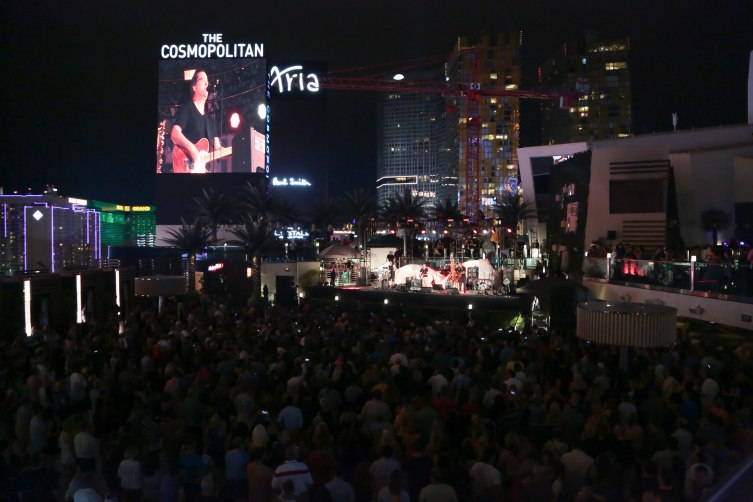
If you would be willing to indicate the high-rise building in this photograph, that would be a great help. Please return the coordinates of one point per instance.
(598, 70)
(412, 150)
(47, 232)
(126, 225)
(485, 130)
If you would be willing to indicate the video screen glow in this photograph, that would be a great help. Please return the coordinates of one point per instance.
(212, 116)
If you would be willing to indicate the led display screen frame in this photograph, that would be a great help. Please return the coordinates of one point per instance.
(235, 94)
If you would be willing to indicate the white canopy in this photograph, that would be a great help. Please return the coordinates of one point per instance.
(485, 269)
(414, 270)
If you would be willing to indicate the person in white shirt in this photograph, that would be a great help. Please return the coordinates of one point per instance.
(86, 448)
(290, 417)
(578, 466)
(339, 489)
(295, 471)
(130, 475)
(382, 468)
(486, 479)
(437, 381)
(393, 492)
(437, 490)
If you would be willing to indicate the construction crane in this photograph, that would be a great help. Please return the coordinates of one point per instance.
(472, 92)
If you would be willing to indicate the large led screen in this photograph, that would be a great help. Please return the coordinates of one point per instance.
(212, 116)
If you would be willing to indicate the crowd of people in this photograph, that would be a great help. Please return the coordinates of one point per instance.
(348, 403)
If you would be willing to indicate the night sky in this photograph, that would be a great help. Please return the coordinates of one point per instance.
(80, 89)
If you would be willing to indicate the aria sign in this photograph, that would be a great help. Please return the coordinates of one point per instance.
(290, 182)
(292, 79)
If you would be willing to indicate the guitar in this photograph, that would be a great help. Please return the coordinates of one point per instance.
(183, 163)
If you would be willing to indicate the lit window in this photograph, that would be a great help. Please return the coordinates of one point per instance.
(615, 65)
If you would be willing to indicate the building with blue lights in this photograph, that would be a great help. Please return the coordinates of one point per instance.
(48, 232)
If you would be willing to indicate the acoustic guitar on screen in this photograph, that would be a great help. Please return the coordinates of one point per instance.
(183, 163)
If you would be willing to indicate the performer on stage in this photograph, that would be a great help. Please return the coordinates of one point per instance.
(193, 123)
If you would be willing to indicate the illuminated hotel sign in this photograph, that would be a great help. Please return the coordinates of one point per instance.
(292, 79)
(291, 234)
(290, 182)
(397, 180)
(127, 209)
(212, 46)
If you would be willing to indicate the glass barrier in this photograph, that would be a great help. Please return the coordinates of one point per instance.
(734, 278)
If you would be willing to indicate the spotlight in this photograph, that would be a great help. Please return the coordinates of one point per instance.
(398, 77)
(235, 120)
(262, 111)
(470, 306)
(337, 298)
(386, 301)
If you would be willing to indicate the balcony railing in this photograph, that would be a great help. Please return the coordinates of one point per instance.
(732, 278)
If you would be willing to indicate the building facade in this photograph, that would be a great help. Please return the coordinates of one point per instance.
(48, 232)
(652, 190)
(412, 152)
(598, 71)
(485, 130)
(126, 225)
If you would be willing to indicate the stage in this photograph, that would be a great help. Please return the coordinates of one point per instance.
(433, 299)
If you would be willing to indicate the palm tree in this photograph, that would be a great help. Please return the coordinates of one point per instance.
(447, 214)
(323, 215)
(285, 212)
(714, 220)
(259, 204)
(214, 208)
(404, 211)
(191, 238)
(256, 238)
(447, 211)
(511, 209)
(359, 206)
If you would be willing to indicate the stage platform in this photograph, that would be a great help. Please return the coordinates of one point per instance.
(436, 299)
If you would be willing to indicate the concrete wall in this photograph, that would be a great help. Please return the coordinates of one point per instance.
(702, 162)
(270, 271)
(706, 179)
(693, 306)
(743, 174)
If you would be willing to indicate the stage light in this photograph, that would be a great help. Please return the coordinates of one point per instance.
(235, 120)
(386, 301)
(27, 307)
(79, 313)
(398, 77)
(300, 295)
(117, 287)
(337, 298)
(470, 306)
(262, 111)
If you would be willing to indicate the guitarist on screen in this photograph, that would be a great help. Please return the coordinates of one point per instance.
(192, 123)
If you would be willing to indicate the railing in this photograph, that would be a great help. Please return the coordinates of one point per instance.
(734, 278)
(507, 263)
